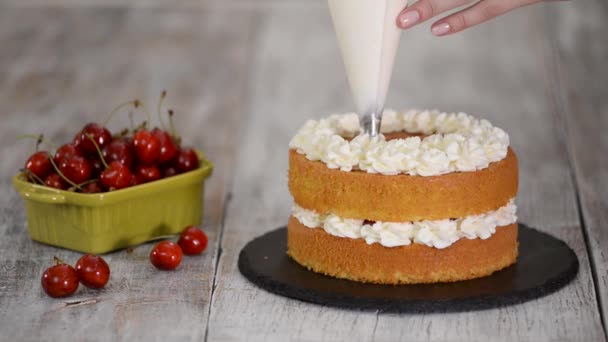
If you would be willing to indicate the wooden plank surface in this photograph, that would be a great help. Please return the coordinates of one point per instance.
(243, 77)
(579, 74)
(497, 73)
(63, 68)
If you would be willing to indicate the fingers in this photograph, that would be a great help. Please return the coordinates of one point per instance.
(423, 10)
(482, 11)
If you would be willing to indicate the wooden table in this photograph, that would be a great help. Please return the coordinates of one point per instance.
(243, 75)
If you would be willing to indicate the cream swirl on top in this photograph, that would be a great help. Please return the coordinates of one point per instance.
(436, 233)
(455, 142)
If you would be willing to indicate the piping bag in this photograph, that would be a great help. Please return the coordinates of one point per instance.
(368, 37)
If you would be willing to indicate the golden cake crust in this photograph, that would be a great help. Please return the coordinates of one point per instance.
(401, 198)
(354, 259)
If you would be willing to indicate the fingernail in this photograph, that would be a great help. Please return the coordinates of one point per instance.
(440, 29)
(409, 19)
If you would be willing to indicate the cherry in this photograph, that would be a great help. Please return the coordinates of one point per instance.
(100, 135)
(55, 181)
(66, 151)
(60, 280)
(117, 176)
(147, 146)
(169, 171)
(120, 150)
(166, 255)
(192, 241)
(96, 165)
(147, 173)
(39, 164)
(92, 188)
(136, 179)
(168, 149)
(187, 160)
(77, 169)
(93, 271)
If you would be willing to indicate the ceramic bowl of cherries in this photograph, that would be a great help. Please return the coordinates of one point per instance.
(97, 160)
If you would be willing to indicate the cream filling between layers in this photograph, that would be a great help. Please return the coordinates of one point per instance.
(438, 234)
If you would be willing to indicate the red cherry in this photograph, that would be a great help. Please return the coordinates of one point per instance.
(100, 135)
(168, 149)
(39, 164)
(55, 181)
(92, 188)
(65, 152)
(147, 173)
(93, 271)
(77, 169)
(169, 171)
(120, 150)
(96, 165)
(166, 255)
(116, 176)
(60, 280)
(193, 241)
(136, 180)
(187, 160)
(147, 146)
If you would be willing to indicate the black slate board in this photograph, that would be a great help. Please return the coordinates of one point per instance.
(545, 265)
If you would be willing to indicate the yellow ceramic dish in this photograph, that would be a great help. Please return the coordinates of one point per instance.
(100, 223)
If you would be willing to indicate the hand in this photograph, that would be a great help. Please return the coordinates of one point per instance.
(481, 11)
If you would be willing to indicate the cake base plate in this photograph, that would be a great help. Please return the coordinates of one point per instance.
(545, 265)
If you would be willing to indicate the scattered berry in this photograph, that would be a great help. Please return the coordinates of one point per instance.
(93, 271)
(60, 280)
(166, 255)
(193, 241)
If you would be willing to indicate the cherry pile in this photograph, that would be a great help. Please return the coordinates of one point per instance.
(98, 161)
(62, 279)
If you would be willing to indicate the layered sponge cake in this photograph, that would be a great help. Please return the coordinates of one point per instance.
(430, 200)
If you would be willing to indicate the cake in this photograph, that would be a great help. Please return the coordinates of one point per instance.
(429, 200)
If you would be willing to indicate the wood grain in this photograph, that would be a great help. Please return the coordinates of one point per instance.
(496, 73)
(577, 76)
(69, 67)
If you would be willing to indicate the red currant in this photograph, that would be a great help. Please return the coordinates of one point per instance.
(93, 271)
(168, 149)
(39, 164)
(147, 173)
(55, 181)
(187, 160)
(147, 146)
(60, 280)
(77, 169)
(100, 135)
(193, 241)
(117, 176)
(166, 255)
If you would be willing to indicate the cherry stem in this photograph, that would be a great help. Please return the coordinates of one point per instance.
(131, 124)
(29, 174)
(163, 94)
(39, 140)
(145, 109)
(134, 103)
(57, 261)
(88, 182)
(171, 126)
(103, 160)
(61, 174)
